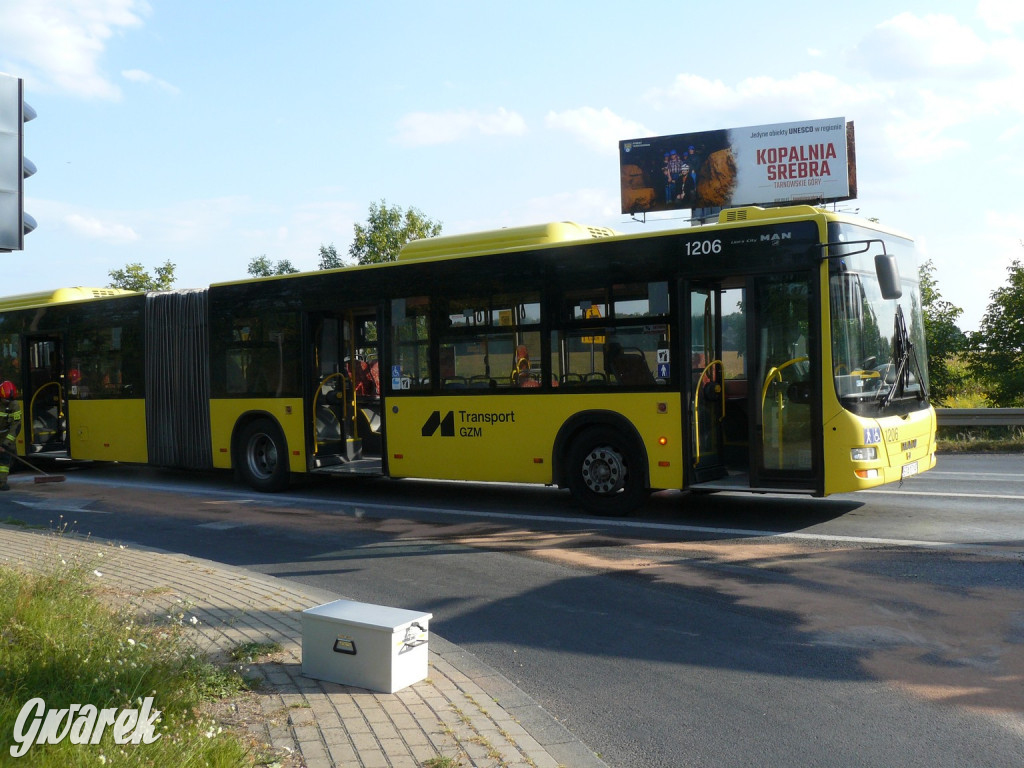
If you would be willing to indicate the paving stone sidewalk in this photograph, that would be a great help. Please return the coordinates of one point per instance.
(464, 710)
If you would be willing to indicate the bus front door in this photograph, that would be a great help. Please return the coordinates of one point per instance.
(345, 401)
(785, 398)
(754, 396)
(45, 401)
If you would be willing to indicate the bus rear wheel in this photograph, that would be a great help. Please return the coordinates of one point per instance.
(604, 474)
(262, 456)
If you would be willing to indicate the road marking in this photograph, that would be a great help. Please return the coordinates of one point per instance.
(895, 492)
(66, 505)
(941, 473)
(220, 526)
(356, 508)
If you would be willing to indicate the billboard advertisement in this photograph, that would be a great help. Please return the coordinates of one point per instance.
(809, 161)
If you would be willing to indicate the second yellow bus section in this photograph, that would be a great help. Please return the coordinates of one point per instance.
(482, 438)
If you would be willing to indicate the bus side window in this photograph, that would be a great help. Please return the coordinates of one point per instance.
(409, 365)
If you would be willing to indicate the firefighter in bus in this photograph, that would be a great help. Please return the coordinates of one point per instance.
(10, 428)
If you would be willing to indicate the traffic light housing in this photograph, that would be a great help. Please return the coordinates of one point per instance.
(14, 166)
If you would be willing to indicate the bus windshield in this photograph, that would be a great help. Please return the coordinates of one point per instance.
(879, 360)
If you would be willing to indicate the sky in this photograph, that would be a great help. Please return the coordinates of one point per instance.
(210, 133)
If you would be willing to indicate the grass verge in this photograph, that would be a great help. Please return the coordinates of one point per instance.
(61, 643)
(1006, 439)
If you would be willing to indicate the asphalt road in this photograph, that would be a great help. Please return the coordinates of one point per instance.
(877, 629)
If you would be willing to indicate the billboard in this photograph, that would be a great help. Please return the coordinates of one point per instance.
(808, 161)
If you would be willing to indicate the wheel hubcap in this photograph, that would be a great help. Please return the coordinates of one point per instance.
(603, 470)
(262, 456)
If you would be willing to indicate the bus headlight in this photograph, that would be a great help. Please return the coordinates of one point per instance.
(864, 454)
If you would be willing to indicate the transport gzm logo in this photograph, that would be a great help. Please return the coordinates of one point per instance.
(471, 423)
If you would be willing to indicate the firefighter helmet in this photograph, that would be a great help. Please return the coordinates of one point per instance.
(8, 391)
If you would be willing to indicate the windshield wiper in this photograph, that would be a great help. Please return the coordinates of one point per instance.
(902, 350)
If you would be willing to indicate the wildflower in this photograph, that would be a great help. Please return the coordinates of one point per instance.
(98, 574)
(130, 641)
(194, 621)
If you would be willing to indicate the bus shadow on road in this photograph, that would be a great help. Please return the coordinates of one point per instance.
(772, 513)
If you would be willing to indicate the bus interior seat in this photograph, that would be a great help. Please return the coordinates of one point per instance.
(735, 423)
(631, 369)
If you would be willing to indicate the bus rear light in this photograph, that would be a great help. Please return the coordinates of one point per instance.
(399, 456)
(866, 474)
(538, 460)
(662, 407)
(664, 463)
(864, 454)
(662, 441)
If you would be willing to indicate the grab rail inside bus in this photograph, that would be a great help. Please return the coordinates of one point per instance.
(31, 409)
(775, 374)
(696, 406)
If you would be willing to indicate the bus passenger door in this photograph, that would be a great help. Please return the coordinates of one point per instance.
(345, 402)
(705, 384)
(45, 401)
(785, 396)
(718, 394)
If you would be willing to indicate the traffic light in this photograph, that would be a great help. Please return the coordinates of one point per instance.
(14, 166)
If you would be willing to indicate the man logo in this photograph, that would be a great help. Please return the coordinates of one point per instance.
(434, 421)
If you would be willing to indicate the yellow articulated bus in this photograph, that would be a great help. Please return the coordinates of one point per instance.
(779, 350)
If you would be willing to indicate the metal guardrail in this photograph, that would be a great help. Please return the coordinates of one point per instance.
(979, 417)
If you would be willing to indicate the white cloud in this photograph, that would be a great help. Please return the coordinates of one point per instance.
(143, 77)
(419, 129)
(805, 95)
(908, 46)
(584, 206)
(599, 129)
(1001, 15)
(60, 42)
(94, 229)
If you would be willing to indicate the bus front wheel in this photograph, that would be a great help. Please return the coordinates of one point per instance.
(604, 473)
(262, 456)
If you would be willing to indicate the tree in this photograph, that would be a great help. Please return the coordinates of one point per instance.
(261, 266)
(998, 346)
(134, 277)
(946, 342)
(329, 258)
(387, 229)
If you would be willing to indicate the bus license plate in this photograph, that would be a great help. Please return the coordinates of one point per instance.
(910, 469)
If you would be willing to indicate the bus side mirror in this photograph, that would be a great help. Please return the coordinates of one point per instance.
(888, 276)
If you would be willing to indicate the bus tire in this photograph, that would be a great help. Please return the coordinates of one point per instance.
(262, 456)
(603, 472)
